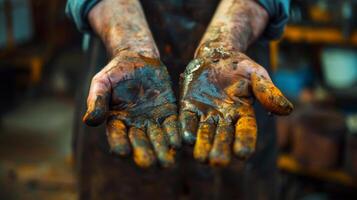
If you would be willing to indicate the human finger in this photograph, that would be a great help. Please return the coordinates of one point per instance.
(269, 95)
(117, 137)
(245, 132)
(220, 155)
(157, 138)
(203, 145)
(98, 100)
(170, 127)
(144, 156)
(189, 122)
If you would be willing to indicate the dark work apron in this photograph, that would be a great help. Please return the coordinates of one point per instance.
(177, 27)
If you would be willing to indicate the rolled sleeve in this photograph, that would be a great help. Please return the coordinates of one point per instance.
(278, 11)
(77, 10)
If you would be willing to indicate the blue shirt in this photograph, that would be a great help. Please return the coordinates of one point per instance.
(278, 11)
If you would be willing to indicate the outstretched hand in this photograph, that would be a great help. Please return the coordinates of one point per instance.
(133, 94)
(218, 89)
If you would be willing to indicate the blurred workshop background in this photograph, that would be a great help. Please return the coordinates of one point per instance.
(315, 65)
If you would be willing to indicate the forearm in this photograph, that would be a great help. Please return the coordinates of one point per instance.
(121, 25)
(235, 25)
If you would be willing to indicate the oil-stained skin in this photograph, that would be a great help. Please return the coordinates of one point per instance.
(133, 91)
(219, 86)
(234, 26)
(216, 105)
(121, 25)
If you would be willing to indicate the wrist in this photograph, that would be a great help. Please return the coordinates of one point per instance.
(135, 59)
(130, 47)
(215, 50)
(117, 32)
(117, 40)
(235, 25)
(128, 53)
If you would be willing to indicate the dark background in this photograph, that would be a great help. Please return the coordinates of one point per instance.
(42, 65)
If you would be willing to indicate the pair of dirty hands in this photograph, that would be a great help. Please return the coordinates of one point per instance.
(133, 95)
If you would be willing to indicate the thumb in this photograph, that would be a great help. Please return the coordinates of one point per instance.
(268, 94)
(98, 100)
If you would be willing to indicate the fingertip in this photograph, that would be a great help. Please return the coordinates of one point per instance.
(204, 139)
(188, 126)
(143, 153)
(170, 127)
(279, 105)
(241, 151)
(176, 145)
(117, 137)
(94, 117)
(217, 159)
(270, 96)
(160, 146)
(199, 157)
(188, 137)
(97, 111)
(121, 150)
(245, 134)
(220, 154)
(167, 159)
(200, 154)
(143, 159)
(286, 106)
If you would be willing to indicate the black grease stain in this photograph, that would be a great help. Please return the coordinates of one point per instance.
(206, 88)
(145, 93)
(98, 112)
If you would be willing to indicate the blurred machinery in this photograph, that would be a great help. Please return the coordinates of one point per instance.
(316, 65)
(31, 33)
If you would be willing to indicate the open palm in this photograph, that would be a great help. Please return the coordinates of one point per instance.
(216, 105)
(133, 93)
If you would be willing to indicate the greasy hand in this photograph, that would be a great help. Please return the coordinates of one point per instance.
(133, 94)
(217, 93)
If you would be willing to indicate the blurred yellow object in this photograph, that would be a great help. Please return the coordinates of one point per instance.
(274, 50)
(313, 35)
(289, 164)
(36, 69)
(318, 35)
(319, 14)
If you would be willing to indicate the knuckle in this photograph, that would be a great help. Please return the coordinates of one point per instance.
(97, 78)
